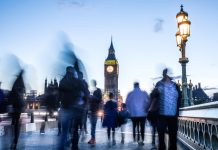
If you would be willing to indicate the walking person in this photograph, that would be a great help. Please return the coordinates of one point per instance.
(16, 99)
(153, 113)
(138, 103)
(169, 101)
(59, 122)
(95, 102)
(110, 118)
(83, 126)
(123, 116)
(71, 94)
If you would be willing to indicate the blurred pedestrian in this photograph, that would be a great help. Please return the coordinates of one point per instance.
(169, 101)
(138, 103)
(15, 98)
(95, 102)
(59, 122)
(123, 116)
(71, 93)
(153, 113)
(83, 126)
(110, 117)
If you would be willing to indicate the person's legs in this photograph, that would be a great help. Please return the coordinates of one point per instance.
(16, 124)
(122, 133)
(142, 127)
(85, 122)
(113, 136)
(59, 126)
(172, 128)
(65, 118)
(161, 127)
(133, 128)
(138, 129)
(13, 117)
(75, 140)
(109, 133)
(93, 124)
(16, 129)
(80, 125)
(154, 129)
(93, 121)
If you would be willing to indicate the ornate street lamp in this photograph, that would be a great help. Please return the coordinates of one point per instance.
(181, 39)
(178, 39)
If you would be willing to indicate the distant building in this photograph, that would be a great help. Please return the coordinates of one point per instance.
(51, 86)
(34, 101)
(31, 101)
(111, 73)
(199, 96)
(196, 94)
(215, 97)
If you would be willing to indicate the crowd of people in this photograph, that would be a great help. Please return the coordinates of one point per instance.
(160, 108)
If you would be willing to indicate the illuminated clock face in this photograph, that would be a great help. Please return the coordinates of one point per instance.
(110, 69)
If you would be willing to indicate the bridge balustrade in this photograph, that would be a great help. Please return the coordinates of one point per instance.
(198, 126)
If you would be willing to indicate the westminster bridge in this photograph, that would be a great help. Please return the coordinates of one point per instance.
(198, 129)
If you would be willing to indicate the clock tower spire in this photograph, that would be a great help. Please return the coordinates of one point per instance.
(111, 72)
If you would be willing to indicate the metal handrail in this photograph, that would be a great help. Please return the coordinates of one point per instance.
(199, 132)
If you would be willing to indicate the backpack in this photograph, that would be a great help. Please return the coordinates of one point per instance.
(96, 101)
(122, 117)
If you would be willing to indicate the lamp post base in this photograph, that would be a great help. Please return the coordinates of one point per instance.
(185, 102)
(185, 98)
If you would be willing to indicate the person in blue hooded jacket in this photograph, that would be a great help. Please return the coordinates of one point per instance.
(169, 102)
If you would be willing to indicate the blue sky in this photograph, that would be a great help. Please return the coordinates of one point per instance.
(33, 31)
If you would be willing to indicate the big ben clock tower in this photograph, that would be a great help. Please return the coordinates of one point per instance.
(111, 72)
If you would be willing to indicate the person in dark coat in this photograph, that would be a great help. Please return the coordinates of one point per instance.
(110, 117)
(83, 125)
(71, 93)
(95, 102)
(153, 113)
(15, 99)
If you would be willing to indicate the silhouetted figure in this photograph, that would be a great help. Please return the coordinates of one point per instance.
(138, 102)
(123, 116)
(15, 99)
(83, 126)
(59, 122)
(169, 101)
(94, 106)
(153, 113)
(71, 94)
(110, 117)
(32, 117)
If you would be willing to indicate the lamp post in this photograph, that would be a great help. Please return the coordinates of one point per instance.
(181, 39)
